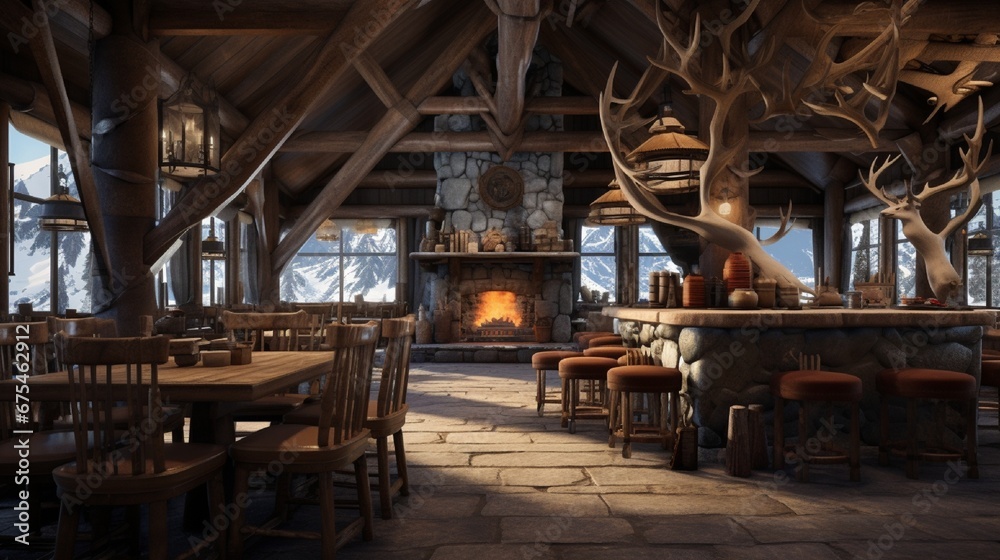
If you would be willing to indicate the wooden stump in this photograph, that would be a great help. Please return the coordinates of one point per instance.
(738, 460)
(758, 441)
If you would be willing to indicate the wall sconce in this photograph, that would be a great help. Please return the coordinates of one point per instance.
(726, 208)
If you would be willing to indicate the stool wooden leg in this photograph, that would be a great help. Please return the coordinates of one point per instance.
(911, 438)
(800, 445)
(626, 405)
(574, 400)
(883, 429)
(540, 392)
(972, 411)
(672, 422)
(855, 443)
(779, 432)
(565, 403)
(612, 417)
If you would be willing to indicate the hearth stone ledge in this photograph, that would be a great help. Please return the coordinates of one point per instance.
(728, 356)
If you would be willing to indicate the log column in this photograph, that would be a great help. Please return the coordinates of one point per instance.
(126, 80)
(5, 194)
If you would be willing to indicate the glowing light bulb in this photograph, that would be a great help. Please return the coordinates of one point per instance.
(725, 208)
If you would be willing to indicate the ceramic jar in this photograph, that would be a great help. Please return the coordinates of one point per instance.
(742, 298)
(737, 272)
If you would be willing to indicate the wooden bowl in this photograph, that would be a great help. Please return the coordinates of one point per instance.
(215, 358)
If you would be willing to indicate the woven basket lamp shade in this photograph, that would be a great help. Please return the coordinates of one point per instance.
(613, 209)
(980, 245)
(670, 161)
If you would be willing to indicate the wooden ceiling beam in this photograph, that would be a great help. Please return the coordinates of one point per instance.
(43, 48)
(259, 17)
(517, 31)
(937, 50)
(172, 74)
(961, 119)
(968, 17)
(32, 99)
(264, 136)
(835, 140)
(377, 79)
(396, 123)
(469, 105)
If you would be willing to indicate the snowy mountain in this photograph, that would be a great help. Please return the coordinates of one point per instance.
(369, 268)
(33, 247)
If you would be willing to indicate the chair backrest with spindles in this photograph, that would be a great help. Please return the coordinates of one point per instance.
(92, 363)
(22, 352)
(396, 368)
(83, 326)
(267, 331)
(344, 402)
(809, 362)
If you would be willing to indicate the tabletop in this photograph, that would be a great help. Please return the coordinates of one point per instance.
(268, 373)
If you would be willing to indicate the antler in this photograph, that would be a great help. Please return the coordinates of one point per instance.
(966, 177)
(871, 182)
(783, 229)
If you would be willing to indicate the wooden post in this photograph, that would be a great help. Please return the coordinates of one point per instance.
(125, 170)
(833, 235)
(758, 441)
(6, 175)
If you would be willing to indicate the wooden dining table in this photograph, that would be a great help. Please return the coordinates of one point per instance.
(212, 392)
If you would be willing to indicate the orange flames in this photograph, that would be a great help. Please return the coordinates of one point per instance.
(497, 307)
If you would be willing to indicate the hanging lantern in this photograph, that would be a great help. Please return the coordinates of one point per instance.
(211, 246)
(670, 161)
(189, 131)
(63, 211)
(613, 209)
(328, 231)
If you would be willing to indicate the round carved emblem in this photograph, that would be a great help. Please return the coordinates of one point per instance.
(501, 187)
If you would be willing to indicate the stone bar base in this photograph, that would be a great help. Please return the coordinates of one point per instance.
(728, 357)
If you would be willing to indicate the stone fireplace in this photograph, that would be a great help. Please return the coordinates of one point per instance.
(537, 302)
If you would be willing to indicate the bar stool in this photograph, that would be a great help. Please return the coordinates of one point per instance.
(542, 362)
(584, 340)
(606, 340)
(655, 380)
(613, 352)
(571, 372)
(914, 384)
(812, 384)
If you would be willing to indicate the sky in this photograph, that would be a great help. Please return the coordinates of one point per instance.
(23, 148)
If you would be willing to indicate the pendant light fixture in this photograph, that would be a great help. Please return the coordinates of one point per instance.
(62, 211)
(211, 246)
(613, 209)
(670, 161)
(328, 231)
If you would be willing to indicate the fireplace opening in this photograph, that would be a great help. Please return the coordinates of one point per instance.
(498, 315)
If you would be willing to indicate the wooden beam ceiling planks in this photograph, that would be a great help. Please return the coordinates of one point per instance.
(397, 122)
(517, 27)
(259, 17)
(260, 141)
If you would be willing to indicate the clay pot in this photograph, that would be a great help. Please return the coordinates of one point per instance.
(743, 299)
(737, 272)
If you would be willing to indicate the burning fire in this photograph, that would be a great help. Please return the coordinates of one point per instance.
(498, 307)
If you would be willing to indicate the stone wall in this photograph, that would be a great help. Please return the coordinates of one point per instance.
(727, 366)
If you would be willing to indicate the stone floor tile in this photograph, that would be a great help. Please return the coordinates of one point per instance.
(453, 476)
(624, 505)
(431, 503)
(984, 528)
(443, 459)
(889, 549)
(691, 529)
(543, 531)
(543, 477)
(812, 551)
(608, 552)
(490, 552)
(488, 438)
(826, 528)
(542, 504)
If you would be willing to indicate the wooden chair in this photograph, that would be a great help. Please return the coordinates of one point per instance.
(135, 467)
(48, 449)
(268, 332)
(338, 440)
(173, 421)
(386, 414)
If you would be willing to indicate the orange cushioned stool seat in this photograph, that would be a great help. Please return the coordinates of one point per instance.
(583, 368)
(583, 341)
(816, 386)
(914, 384)
(607, 340)
(613, 352)
(659, 425)
(543, 362)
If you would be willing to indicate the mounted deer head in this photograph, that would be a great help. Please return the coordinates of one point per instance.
(945, 281)
(739, 76)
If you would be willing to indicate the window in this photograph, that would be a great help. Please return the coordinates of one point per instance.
(652, 257)
(864, 250)
(51, 270)
(597, 260)
(794, 250)
(906, 265)
(367, 252)
(982, 286)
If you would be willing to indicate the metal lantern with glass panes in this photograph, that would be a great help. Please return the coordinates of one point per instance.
(189, 131)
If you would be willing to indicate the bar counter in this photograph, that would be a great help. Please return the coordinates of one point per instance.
(727, 356)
